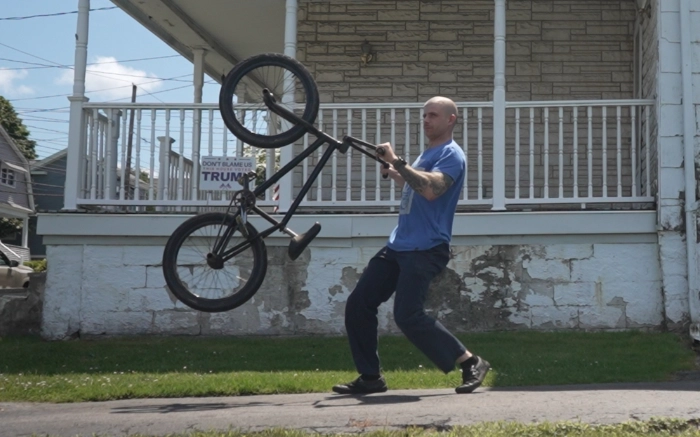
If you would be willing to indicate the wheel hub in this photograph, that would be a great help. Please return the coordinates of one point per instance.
(214, 261)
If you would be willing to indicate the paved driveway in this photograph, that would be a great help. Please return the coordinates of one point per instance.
(327, 412)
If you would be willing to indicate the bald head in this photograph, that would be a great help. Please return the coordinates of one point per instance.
(439, 118)
(446, 105)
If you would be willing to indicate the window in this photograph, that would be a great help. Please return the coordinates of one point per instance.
(7, 176)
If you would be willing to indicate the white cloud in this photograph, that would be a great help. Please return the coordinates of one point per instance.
(9, 88)
(109, 80)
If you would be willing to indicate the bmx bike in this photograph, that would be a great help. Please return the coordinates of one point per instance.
(217, 261)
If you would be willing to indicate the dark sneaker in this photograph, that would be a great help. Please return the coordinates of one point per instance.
(474, 376)
(360, 386)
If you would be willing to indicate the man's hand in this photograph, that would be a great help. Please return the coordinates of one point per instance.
(389, 155)
(393, 174)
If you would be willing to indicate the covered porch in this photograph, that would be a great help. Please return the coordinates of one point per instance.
(545, 154)
(570, 216)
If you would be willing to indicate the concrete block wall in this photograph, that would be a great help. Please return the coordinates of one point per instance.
(119, 290)
(671, 166)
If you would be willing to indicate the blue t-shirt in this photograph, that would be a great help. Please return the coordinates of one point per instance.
(424, 224)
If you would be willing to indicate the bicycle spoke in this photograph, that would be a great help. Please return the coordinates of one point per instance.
(256, 117)
(213, 283)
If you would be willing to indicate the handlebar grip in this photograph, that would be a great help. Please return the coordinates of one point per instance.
(385, 176)
(380, 150)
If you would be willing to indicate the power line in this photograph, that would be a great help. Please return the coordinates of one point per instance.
(33, 56)
(71, 66)
(102, 73)
(44, 119)
(54, 14)
(62, 110)
(87, 70)
(174, 78)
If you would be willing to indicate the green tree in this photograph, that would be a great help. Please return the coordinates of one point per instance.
(16, 129)
(20, 134)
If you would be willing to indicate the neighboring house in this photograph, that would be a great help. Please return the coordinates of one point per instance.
(16, 200)
(578, 120)
(49, 178)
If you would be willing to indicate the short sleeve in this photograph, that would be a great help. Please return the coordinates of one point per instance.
(450, 162)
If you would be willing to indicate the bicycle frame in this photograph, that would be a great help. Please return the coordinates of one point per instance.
(322, 138)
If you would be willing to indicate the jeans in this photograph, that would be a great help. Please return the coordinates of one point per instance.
(409, 274)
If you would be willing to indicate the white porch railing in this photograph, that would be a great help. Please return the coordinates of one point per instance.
(557, 152)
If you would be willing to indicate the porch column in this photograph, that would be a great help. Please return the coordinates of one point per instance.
(690, 161)
(165, 146)
(499, 106)
(677, 151)
(75, 128)
(287, 153)
(112, 154)
(199, 54)
(25, 232)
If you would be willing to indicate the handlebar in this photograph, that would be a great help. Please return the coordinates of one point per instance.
(348, 141)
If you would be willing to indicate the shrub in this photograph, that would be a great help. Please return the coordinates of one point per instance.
(38, 265)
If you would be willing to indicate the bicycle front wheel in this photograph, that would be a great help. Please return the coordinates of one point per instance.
(209, 284)
(248, 118)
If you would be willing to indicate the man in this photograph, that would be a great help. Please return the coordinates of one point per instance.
(417, 250)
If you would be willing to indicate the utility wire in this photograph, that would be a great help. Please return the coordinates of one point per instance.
(33, 56)
(174, 78)
(72, 66)
(53, 15)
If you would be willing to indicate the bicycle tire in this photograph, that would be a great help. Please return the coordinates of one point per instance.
(184, 292)
(235, 77)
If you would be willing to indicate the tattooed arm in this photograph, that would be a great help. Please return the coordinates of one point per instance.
(430, 185)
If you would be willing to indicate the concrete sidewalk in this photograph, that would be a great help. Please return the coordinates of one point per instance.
(330, 413)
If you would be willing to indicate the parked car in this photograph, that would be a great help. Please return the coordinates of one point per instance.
(12, 274)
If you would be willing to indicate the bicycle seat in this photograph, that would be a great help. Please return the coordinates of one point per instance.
(299, 243)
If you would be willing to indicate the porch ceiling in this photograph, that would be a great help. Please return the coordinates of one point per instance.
(230, 30)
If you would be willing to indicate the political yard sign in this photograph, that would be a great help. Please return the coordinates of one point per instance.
(221, 173)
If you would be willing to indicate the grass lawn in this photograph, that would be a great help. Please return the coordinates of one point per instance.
(119, 368)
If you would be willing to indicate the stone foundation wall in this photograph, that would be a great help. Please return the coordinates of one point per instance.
(21, 309)
(118, 290)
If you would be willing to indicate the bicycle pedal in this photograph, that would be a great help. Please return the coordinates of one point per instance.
(299, 243)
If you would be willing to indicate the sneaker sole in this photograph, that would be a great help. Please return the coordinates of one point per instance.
(461, 390)
(353, 392)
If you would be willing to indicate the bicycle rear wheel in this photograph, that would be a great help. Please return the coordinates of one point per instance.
(291, 84)
(210, 286)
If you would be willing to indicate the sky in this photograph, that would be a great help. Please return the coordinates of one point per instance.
(37, 54)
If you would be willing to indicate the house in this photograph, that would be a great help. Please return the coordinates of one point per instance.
(16, 200)
(578, 120)
(49, 177)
